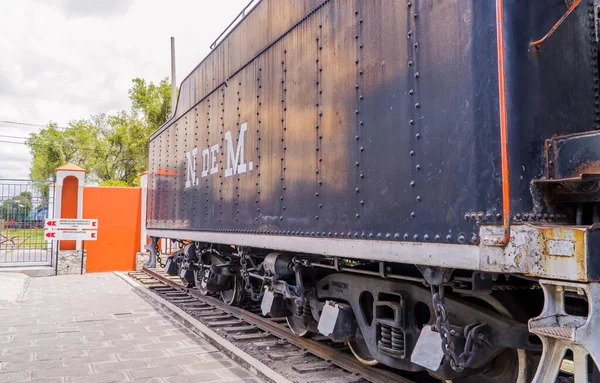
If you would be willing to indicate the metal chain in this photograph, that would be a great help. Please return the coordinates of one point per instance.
(244, 258)
(158, 258)
(458, 362)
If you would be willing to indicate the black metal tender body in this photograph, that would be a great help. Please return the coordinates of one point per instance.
(371, 119)
(437, 133)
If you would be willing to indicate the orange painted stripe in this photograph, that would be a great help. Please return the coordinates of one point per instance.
(503, 121)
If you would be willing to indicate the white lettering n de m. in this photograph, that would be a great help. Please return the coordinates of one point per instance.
(234, 158)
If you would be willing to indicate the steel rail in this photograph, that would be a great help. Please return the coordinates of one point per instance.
(320, 350)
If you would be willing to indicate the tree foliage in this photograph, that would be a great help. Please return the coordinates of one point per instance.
(114, 183)
(16, 208)
(153, 101)
(110, 147)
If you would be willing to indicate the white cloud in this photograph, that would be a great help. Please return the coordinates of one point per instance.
(63, 60)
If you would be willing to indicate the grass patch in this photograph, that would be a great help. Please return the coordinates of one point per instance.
(23, 239)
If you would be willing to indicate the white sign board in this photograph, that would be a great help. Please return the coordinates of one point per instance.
(71, 235)
(67, 223)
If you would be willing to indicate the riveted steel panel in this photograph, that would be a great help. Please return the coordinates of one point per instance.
(369, 119)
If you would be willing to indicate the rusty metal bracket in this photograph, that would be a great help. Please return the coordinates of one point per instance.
(152, 247)
(560, 331)
(535, 45)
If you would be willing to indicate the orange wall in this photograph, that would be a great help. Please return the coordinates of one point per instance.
(118, 211)
(68, 208)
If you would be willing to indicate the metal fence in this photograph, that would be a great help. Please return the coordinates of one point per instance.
(24, 205)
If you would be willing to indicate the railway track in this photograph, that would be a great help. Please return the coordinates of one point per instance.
(267, 339)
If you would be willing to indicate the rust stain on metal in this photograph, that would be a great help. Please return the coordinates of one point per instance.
(588, 167)
(576, 237)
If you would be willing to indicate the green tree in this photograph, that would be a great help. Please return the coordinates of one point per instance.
(52, 147)
(114, 183)
(152, 100)
(122, 149)
(109, 147)
(16, 208)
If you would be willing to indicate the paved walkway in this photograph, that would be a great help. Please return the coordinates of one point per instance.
(94, 328)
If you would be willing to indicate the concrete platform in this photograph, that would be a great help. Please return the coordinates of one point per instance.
(32, 271)
(12, 288)
(95, 328)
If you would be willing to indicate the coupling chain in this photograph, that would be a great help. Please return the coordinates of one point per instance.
(458, 361)
(244, 257)
(158, 258)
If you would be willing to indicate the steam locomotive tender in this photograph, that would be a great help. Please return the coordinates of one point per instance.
(417, 178)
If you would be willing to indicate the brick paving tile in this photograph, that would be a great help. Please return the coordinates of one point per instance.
(162, 345)
(109, 377)
(11, 377)
(79, 333)
(105, 337)
(114, 366)
(34, 336)
(29, 366)
(204, 377)
(113, 350)
(49, 380)
(49, 355)
(59, 341)
(16, 358)
(195, 342)
(89, 359)
(156, 372)
(93, 329)
(125, 342)
(193, 350)
(147, 334)
(142, 355)
(27, 350)
(213, 356)
(235, 373)
(19, 344)
(82, 369)
(176, 360)
(209, 366)
(84, 345)
(175, 338)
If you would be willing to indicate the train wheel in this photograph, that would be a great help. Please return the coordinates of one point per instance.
(234, 296)
(199, 284)
(360, 350)
(187, 284)
(298, 326)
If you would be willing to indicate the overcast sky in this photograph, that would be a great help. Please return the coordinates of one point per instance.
(63, 60)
